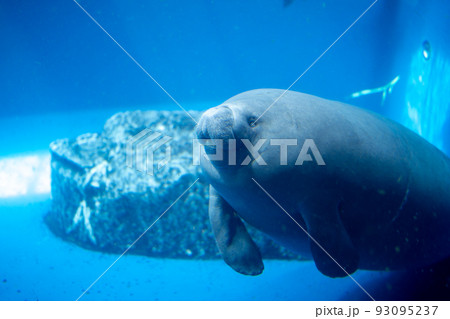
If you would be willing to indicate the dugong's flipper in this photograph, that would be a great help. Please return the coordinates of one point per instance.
(336, 251)
(235, 244)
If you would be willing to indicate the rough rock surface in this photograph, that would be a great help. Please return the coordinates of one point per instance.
(100, 203)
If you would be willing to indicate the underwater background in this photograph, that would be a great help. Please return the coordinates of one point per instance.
(63, 76)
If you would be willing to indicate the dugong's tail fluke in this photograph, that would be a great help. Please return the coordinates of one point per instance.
(237, 248)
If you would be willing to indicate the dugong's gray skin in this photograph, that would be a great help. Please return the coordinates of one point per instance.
(380, 202)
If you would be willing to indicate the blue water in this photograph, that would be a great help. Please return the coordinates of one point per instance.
(62, 76)
(37, 266)
(57, 58)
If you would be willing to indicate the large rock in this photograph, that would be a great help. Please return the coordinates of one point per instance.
(101, 203)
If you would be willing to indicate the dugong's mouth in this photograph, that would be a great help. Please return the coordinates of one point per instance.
(215, 129)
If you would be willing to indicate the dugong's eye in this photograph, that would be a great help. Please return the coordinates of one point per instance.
(251, 121)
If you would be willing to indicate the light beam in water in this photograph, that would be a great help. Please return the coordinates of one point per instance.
(383, 89)
(24, 175)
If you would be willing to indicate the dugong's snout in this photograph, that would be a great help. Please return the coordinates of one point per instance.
(216, 124)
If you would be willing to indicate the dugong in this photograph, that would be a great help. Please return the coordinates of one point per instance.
(330, 181)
